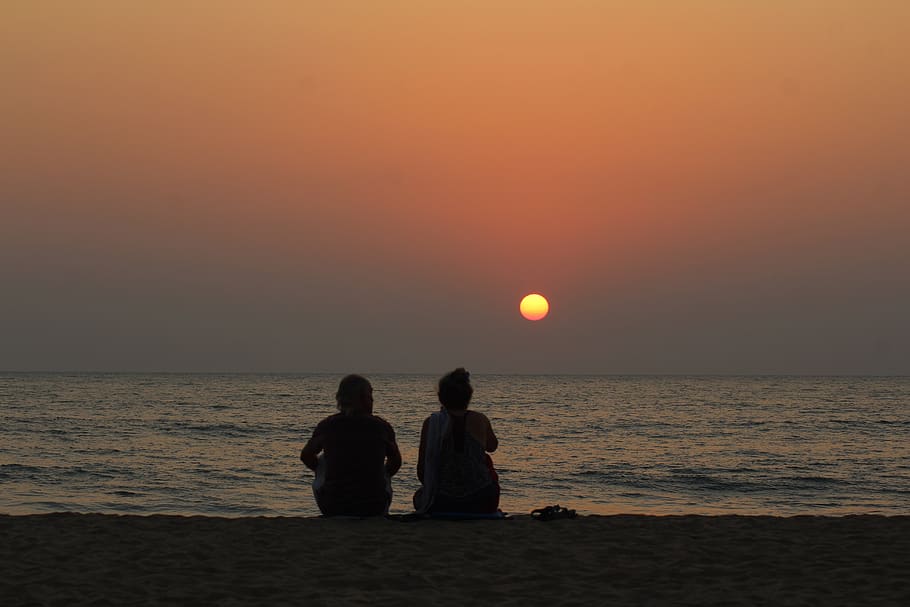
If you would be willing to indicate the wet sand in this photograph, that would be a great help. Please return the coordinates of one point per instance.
(93, 559)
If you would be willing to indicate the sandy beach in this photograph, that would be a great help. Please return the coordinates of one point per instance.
(93, 559)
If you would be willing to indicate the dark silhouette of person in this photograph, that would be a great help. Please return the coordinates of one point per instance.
(354, 455)
(453, 465)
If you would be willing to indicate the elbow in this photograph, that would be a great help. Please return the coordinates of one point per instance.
(393, 466)
(309, 460)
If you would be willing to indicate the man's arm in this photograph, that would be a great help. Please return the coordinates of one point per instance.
(393, 458)
(310, 452)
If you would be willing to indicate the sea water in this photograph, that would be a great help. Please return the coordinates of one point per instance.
(229, 445)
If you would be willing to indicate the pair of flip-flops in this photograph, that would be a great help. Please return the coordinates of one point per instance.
(550, 513)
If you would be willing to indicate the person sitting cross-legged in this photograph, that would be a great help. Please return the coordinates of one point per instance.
(453, 462)
(354, 455)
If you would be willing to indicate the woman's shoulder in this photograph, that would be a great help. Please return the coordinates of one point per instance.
(478, 419)
(437, 415)
(478, 415)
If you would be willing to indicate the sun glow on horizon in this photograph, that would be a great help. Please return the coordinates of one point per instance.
(534, 306)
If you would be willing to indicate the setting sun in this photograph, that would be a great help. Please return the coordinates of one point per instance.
(534, 306)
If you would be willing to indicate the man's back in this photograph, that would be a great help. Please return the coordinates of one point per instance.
(355, 448)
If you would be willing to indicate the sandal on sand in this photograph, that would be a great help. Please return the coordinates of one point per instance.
(550, 513)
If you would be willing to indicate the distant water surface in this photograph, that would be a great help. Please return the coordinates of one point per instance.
(229, 444)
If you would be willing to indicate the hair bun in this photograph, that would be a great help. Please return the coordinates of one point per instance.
(461, 375)
(455, 389)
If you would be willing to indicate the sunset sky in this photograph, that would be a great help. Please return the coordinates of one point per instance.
(708, 186)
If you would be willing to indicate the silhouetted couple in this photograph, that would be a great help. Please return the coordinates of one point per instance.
(354, 454)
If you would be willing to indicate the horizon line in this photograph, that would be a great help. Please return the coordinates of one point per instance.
(435, 373)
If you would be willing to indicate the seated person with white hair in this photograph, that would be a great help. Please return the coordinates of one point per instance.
(354, 455)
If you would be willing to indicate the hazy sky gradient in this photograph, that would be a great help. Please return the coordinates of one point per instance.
(697, 187)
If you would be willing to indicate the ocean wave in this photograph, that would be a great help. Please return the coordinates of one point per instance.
(192, 444)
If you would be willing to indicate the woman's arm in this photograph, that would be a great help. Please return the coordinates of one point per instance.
(423, 448)
(492, 442)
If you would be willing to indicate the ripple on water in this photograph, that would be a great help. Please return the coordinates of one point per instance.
(228, 444)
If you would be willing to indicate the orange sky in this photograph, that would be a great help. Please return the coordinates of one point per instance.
(295, 185)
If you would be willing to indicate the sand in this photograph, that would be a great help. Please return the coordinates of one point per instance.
(93, 559)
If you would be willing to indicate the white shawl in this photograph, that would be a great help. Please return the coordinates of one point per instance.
(437, 426)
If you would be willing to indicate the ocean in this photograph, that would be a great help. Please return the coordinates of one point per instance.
(229, 445)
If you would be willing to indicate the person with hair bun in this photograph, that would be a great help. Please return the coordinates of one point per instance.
(453, 464)
(354, 455)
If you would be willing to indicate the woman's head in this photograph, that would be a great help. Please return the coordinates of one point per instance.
(455, 389)
(355, 395)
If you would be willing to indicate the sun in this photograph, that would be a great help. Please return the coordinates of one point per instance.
(534, 306)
